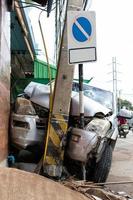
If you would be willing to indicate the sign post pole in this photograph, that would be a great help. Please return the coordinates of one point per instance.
(81, 108)
(81, 33)
(81, 96)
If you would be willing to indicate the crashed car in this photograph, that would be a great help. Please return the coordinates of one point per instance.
(95, 142)
(27, 113)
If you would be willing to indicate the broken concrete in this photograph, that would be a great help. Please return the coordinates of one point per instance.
(16, 184)
(24, 107)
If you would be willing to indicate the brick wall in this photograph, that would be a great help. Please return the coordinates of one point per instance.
(4, 80)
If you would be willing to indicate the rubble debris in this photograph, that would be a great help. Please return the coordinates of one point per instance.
(24, 107)
(92, 190)
(122, 193)
(114, 183)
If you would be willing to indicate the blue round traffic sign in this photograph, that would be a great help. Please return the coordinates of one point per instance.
(82, 29)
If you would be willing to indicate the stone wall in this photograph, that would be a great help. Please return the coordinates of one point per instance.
(4, 80)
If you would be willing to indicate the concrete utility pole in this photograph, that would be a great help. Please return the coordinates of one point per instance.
(58, 120)
(114, 68)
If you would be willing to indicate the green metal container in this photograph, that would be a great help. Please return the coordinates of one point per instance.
(41, 70)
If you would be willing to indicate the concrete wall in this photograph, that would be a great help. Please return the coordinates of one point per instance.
(4, 80)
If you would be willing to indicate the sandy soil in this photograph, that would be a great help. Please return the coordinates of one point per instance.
(122, 165)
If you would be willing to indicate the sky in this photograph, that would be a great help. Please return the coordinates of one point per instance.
(114, 36)
(114, 39)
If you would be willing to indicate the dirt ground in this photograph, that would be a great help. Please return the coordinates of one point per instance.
(122, 165)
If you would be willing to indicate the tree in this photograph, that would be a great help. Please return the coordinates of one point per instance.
(125, 103)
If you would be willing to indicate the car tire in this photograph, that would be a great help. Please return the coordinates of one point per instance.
(102, 168)
(113, 143)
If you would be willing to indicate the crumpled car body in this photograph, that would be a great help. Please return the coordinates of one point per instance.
(24, 130)
(40, 93)
(83, 142)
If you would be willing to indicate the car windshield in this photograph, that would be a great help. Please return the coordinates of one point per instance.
(104, 97)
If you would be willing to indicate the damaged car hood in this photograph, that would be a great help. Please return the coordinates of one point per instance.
(40, 95)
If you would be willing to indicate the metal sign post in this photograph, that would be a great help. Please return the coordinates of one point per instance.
(81, 96)
(81, 34)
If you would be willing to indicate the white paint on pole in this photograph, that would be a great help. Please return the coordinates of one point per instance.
(81, 32)
(81, 101)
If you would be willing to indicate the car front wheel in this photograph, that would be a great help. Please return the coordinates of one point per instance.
(102, 168)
